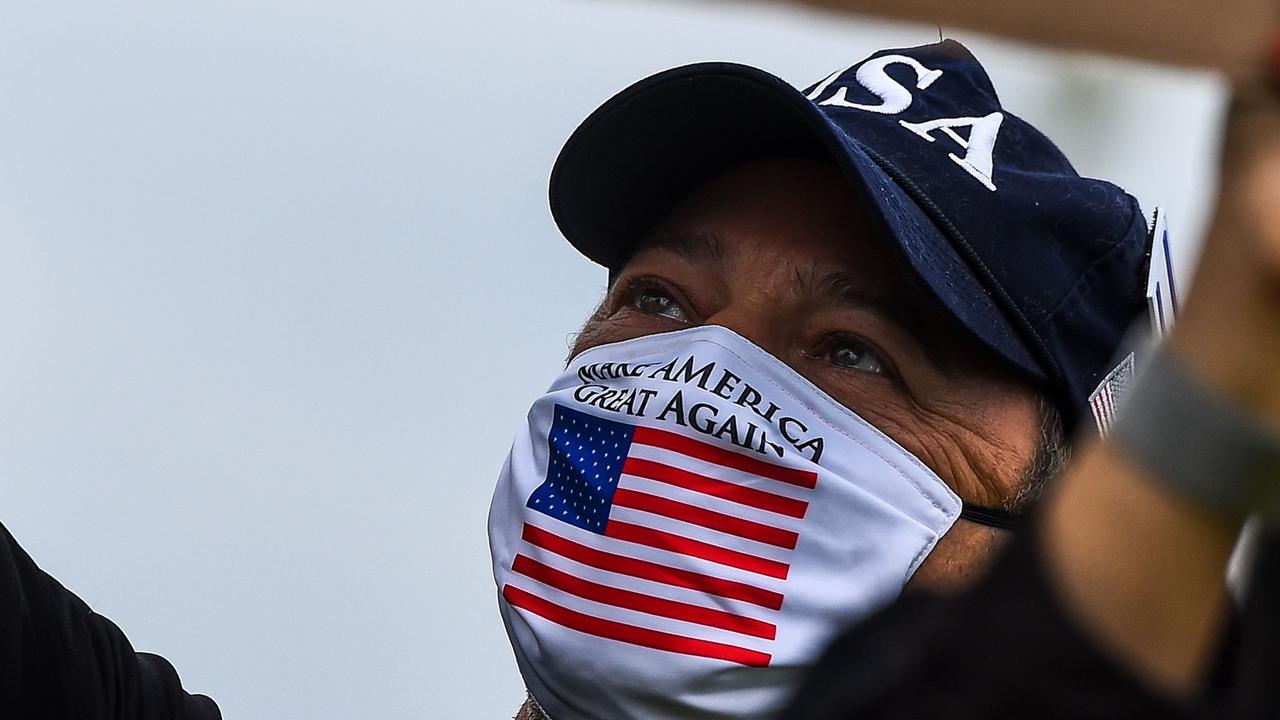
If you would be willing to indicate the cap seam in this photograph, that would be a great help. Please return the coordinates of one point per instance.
(1017, 319)
(1086, 279)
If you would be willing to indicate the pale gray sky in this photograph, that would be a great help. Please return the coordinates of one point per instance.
(278, 282)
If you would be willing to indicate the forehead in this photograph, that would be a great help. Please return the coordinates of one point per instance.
(793, 214)
(791, 235)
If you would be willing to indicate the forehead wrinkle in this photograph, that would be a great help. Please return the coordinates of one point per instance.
(696, 246)
(841, 287)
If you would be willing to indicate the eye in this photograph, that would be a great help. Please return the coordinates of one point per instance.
(653, 300)
(853, 354)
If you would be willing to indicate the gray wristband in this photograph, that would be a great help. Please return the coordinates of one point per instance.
(1197, 442)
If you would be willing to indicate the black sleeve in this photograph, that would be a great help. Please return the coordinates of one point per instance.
(59, 659)
(1004, 649)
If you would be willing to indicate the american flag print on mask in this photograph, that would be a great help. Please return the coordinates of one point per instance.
(646, 536)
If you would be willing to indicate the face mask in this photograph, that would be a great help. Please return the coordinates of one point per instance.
(685, 522)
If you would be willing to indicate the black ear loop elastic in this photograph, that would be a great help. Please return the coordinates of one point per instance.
(991, 517)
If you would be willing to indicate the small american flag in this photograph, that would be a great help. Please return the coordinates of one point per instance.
(1106, 397)
(649, 537)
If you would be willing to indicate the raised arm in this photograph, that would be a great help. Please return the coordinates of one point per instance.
(1140, 562)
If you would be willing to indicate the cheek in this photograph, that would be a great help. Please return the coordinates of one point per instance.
(928, 437)
(597, 331)
(960, 558)
(603, 329)
(980, 446)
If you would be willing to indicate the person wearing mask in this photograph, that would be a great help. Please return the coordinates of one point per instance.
(848, 332)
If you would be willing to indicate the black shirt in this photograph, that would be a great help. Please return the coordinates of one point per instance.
(1008, 648)
(59, 659)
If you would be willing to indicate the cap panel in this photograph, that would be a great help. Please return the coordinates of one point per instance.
(1091, 321)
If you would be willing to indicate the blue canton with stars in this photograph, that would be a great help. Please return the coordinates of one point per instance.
(587, 454)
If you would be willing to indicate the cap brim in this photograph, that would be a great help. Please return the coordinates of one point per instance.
(654, 142)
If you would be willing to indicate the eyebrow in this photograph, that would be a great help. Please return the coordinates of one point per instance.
(908, 313)
(695, 246)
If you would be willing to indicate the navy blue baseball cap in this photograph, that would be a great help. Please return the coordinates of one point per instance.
(1044, 267)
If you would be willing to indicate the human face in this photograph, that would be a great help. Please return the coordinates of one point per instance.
(783, 253)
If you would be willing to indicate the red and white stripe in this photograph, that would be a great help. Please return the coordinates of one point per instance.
(694, 558)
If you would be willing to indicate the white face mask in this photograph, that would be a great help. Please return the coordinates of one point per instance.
(686, 522)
